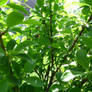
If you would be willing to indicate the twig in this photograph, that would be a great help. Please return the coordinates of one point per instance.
(65, 57)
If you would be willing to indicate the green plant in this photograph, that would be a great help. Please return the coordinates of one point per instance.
(46, 50)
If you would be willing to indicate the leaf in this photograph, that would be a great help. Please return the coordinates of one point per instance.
(31, 22)
(56, 87)
(86, 10)
(87, 41)
(67, 76)
(25, 57)
(4, 64)
(2, 2)
(90, 76)
(29, 65)
(75, 89)
(11, 44)
(56, 7)
(88, 2)
(4, 85)
(40, 2)
(23, 45)
(16, 67)
(82, 59)
(14, 18)
(34, 81)
(14, 80)
(1, 52)
(16, 29)
(58, 76)
(28, 88)
(18, 7)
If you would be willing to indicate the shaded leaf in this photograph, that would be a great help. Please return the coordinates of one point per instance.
(29, 65)
(34, 81)
(14, 18)
(1, 52)
(18, 7)
(11, 44)
(75, 89)
(4, 64)
(23, 45)
(28, 88)
(4, 85)
(82, 59)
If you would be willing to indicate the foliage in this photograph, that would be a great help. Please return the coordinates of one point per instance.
(46, 49)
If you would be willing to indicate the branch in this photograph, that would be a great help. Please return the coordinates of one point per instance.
(70, 49)
(2, 44)
(83, 82)
(2, 33)
(1, 40)
(37, 73)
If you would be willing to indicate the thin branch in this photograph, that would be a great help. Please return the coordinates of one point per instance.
(37, 73)
(52, 52)
(3, 33)
(65, 57)
(2, 44)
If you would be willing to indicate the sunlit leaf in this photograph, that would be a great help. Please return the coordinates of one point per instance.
(18, 7)
(2, 2)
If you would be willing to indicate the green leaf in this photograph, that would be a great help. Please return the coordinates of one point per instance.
(67, 76)
(31, 22)
(40, 2)
(56, 87)
(87, 41)
(88, 2)
(2, 2)
(86, 10)
(16, 67)
(82, 59)
(14, 81)
(90, 76)
(14, 18)
(58, 76)
(11, 44)
(34, 81)
(56, 7)
(4, 85)
(4, 64)
(1, 52)
(75, 89)
(23, 45)
(29, 65)
(28, 88)
(25, 57)
(18, 7)
(16, 29)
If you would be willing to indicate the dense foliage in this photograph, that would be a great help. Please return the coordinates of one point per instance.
(46, 49)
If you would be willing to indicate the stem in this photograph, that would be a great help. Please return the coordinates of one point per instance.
(70, 49)
(52, 52)
(2, 44)
(16, 89)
